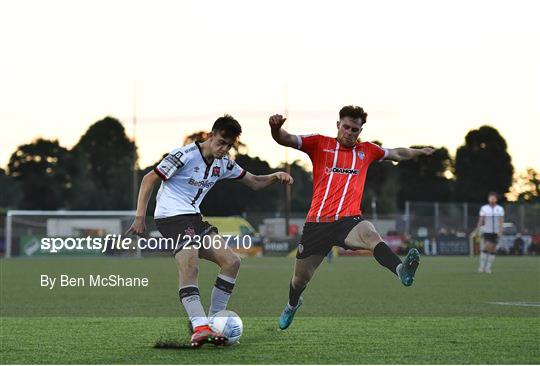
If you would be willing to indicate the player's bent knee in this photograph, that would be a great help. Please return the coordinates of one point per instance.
(370, 237)
(232, 262)
(300, 281)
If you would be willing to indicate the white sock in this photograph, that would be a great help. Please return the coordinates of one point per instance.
(290, 307)
(191, 299)
(398, 268)
(483, 260)
(490, 259)
(221, 293)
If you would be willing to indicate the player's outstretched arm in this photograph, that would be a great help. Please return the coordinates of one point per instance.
(257, 182)
(281, 136)
(406, 153)
(145, 191)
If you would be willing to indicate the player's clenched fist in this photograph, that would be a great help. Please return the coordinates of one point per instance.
(427, 150)
(276, 121)
(284, 178)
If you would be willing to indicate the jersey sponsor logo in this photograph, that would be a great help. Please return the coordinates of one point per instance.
(336, 170)
(196, 169)
(200, 183)
(215, 171)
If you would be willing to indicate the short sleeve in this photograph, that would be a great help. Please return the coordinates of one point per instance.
(502, 211)
(377, 153)
(233, 171)
(482, 212)
(170, 164)
(308, 143)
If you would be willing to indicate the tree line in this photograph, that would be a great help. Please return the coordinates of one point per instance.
(97, 174)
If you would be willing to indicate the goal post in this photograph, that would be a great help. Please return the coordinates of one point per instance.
(37, 223)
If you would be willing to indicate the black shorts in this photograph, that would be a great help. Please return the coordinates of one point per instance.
(320, 237)
(491, 237)
(182, 229)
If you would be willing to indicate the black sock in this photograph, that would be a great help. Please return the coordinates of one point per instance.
(294, 295)
(386, 258)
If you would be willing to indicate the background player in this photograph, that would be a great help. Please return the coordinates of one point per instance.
(491, 221)
(339, 171)
(187, 174)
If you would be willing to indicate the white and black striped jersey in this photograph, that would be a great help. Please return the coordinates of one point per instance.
(492, 219)
(187, 177)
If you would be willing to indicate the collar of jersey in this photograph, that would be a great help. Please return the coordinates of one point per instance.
(202, 155)
(345, 147)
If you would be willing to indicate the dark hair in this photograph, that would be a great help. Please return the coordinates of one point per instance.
(353, 111)
(227, 127)
(493, 193)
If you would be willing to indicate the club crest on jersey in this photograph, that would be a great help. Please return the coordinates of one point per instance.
(361, 155)
(190, 231)
(300, 248)
(230, 165)
(215, 171)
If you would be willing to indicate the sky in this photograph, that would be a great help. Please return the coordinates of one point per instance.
(426, 72)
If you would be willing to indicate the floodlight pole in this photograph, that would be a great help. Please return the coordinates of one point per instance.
(134, 166)
(288, 170)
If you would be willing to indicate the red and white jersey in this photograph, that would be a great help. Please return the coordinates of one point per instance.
(339, 175)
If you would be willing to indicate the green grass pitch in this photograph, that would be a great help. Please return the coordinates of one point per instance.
(354, 312)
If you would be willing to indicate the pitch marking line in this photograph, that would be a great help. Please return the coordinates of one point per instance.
(516, 303)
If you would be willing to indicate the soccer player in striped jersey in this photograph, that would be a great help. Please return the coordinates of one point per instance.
(340, 167)
(187, 174)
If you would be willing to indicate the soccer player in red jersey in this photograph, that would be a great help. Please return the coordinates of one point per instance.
(340, 167)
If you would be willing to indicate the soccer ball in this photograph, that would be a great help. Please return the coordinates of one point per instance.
(229, 324)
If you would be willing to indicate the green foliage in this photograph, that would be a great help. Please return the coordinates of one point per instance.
(380, 188)
(301, 190)
(228, 197)
(97, 174)
(530, 184)
(423, 179)
(482, 165)
(94, 175)
(10, 191)
(106, 155)
(44, 171)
